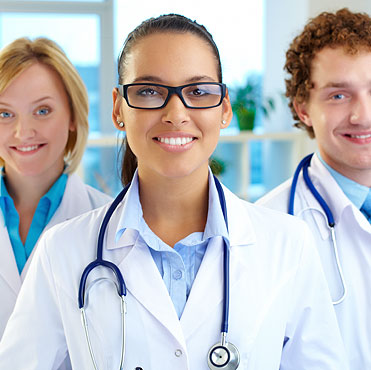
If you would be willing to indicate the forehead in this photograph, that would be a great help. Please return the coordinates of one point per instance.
(171, 58)
(338, 65)
(35, 81)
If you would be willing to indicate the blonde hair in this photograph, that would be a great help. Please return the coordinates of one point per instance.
(23, 53)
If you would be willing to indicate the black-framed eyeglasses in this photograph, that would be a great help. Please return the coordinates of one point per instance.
(199, 95)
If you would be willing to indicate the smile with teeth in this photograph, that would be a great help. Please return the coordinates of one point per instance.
(175, 140)
(360, 136)
(27, 148)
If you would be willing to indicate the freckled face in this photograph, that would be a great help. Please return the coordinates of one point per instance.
(339, 110)
(173, 141)
(35, 121)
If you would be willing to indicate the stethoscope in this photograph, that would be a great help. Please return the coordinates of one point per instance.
(222, 355)
(303, 165)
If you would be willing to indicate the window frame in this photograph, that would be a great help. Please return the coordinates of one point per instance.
(105, 11)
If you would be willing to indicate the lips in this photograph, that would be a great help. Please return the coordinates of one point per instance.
(27, 148)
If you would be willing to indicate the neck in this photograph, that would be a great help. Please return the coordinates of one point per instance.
(176, 207)
(28, 189)
(26, 192)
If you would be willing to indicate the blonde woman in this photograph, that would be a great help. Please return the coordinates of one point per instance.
(43, 132)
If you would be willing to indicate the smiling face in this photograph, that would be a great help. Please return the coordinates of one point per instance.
(173, 141)
(339, 110)
(35, 120)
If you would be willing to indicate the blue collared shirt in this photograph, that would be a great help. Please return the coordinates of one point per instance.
(355, 192)
(178, 266)
(45, 210)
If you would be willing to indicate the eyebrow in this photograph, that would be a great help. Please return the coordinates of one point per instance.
(341, 85)
(335, 85)
(6, 104)
(41, 99)
(155, 79)
(33, 102)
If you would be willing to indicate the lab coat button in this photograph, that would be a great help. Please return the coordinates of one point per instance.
(177, 274)
(178, 352)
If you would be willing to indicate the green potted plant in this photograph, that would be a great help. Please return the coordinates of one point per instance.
(247, 100)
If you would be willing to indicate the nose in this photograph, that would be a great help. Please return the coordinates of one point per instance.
(175, 112)
(361, 111)
(24, 129)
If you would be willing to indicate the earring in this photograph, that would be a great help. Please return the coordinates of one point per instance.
(120, 123)
(224, 122)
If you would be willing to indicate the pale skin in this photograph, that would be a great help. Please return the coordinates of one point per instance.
(339, 110)
(173, 184)
(35, 122)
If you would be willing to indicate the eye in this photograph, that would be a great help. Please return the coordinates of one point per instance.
(147, 91)
(5, 114)
(198, 92)
(338, 96)
(43, 111)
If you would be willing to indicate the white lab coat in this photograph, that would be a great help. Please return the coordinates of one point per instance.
(353, 236)
(78, 198)
(278, 294)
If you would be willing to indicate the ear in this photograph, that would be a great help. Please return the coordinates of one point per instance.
(72, 126)
(116, 113)
(227, 111)
(302, 111)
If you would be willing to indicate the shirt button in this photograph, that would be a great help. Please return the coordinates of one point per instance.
(178, 352)
(177, 274)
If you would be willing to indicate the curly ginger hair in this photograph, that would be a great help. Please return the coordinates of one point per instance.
(351, 31)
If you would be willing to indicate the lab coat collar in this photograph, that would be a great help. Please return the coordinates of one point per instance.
(75, 201)
(241, 230)
(335, 198)
(237, 235)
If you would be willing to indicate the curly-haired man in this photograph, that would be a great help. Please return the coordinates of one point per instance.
(329, 91)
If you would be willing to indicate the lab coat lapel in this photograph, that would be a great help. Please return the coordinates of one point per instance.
(145, 283)
(74, 202)
(207, 290)
(8, 266)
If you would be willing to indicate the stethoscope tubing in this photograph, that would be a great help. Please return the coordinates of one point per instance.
(99, 261)
(304, 165)
(121, 286)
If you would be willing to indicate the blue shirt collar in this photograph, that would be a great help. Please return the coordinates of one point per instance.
(355, 192)
(132, 218)
(54, 194)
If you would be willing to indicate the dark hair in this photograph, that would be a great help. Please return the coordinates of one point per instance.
(172, 23)
(351, 31)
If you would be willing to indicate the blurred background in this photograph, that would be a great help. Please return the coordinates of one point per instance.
(260, 149)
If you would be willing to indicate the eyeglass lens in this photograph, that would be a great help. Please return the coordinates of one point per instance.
(152, 96)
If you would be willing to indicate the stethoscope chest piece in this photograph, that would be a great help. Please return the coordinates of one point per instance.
(223, 357)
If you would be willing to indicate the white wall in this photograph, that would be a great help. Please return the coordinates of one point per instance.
(317, 6)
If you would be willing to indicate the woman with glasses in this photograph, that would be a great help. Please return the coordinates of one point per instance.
(177, 273)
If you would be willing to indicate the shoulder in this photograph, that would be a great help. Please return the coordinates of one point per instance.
(275, 241)
(277, 198)
(96, 197)
(265, 223)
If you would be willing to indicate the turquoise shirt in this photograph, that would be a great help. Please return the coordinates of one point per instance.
(178, 266)
(355, 192)
(45, 210)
